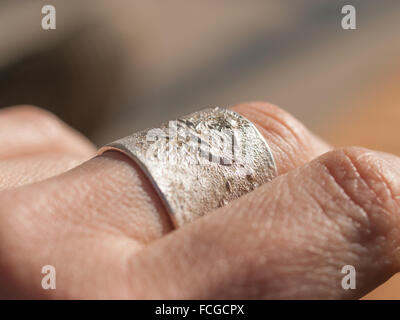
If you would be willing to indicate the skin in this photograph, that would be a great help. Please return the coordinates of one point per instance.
(101, 224)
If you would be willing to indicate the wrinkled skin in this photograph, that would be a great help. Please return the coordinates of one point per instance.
(98, 221)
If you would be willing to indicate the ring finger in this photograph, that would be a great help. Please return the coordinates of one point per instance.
(116, 193)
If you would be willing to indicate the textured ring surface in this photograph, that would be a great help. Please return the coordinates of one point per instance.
(201, 161)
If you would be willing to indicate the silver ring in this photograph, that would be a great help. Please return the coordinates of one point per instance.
(201, 161)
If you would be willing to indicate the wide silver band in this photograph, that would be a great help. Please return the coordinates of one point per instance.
(201, 161)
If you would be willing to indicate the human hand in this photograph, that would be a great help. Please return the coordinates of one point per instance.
(103, 227)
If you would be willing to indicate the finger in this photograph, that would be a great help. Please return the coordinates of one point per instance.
(286, 241)
(27, 130)
(20, 171)
(291, 143)
(108, 195)
(63, 223)
(113, 184)
(114, 191)
(126, 205)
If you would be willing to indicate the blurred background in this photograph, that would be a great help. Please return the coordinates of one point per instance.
(114, 67)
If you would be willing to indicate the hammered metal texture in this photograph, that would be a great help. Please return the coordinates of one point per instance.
(201, 161)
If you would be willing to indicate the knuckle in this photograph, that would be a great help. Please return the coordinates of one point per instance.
(290, 140)
(366, 180)
(273, 119)
(31, 112)
(48, 130)
(41, 119)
